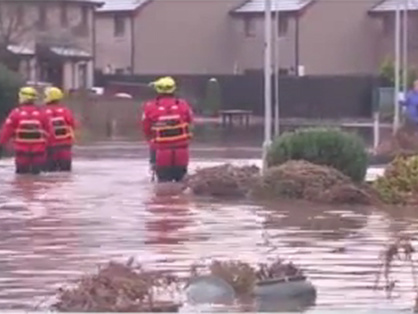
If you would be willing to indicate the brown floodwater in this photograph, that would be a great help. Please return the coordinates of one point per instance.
(56, 227)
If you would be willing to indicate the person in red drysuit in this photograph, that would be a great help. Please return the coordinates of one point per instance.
(30, 130)
(166, 124)
(61, 120)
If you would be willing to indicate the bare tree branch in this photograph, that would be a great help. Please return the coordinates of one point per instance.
(12, 29)
(18, 31)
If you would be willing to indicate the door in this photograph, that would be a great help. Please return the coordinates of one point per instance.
(52, 73)
(82, 76)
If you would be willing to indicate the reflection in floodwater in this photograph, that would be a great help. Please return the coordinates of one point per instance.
(323, 221)
(300, 304)
(168, 216)
(55, 227)
(29, 196)
(32, 240)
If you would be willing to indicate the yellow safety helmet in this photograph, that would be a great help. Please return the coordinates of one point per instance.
(52, 94)
(27, 94)
(164, 85)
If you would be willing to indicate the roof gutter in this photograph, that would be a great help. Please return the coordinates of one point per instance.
(96, 4)
(261, 14)
(236, 13)
(116, 11)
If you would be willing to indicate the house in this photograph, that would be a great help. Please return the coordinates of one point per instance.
(166, 37)
(384, 14)
(319, 37)
(50, 41)
(115, 35)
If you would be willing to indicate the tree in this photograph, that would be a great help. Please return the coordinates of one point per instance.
(19, 29)
(13, 26)
(387, 72)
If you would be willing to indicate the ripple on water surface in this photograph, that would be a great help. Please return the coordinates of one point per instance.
(57, 226)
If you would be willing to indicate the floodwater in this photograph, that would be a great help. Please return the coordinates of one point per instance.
(58, 226)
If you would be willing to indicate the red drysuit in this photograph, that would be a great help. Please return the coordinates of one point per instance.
(31, 131)
(166, 125)
(62, 123)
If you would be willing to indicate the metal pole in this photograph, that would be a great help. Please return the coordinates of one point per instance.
(267, 81)
(376, 129)
(276, 71)
(397, 67)
(405, 48)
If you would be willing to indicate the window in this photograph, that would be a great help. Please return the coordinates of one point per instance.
(20, 14)
(283, 25)
(28, 70)
(64, 14)
(42, 16)
(82, 29)
(84, 17)
(249, 27)
(388, 25)
(82, 76)
(118, 26)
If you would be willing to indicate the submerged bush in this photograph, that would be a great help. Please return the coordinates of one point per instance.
(343, 151)
(399, 184)
(223, 181)
(295, 179)
(116, 288)
(299, 179)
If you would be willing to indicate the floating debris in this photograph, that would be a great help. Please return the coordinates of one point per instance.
(400, 249)
(243, 277)
(278, 270)
(117, 288)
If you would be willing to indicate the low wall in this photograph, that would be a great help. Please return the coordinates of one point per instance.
(312, 97)
(104, 117)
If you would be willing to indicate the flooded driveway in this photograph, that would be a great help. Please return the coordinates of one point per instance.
(58, 226)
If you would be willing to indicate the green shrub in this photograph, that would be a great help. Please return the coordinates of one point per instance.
(10, 82)
(343, 151)
(387, 72)
(399, 184)
(212, 103)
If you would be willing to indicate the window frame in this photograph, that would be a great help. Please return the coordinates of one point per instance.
(42, 16)
(119, 25)
(64, 14)
(250, 26)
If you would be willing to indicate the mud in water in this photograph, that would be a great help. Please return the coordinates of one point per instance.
(57, 227)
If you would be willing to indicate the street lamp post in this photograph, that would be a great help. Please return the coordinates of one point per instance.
(397, 67)
(276, 63)
(405, 48)
(267, 81)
